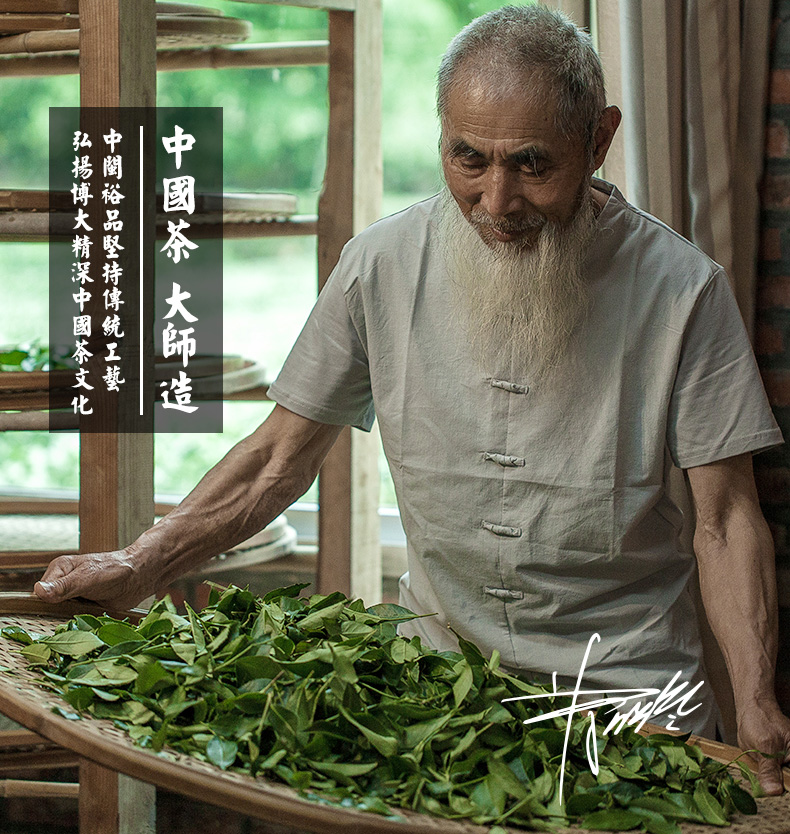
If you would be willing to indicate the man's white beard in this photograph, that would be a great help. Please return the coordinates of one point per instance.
(519, 299)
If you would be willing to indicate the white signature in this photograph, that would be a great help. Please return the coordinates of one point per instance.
(671, 697)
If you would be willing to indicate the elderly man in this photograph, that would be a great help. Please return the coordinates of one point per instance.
(538, 352)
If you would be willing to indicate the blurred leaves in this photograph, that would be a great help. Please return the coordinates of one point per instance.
(275, 119)
(274, 139)
(32, 356)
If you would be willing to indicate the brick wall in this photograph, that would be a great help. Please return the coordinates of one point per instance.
(772, 327)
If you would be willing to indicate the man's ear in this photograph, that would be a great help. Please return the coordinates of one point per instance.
(604, 133)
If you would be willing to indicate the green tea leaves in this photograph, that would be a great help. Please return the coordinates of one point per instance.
(18, 634)
(708, 805)
(36, 653)
(221, 752)
(612, 820)
(114, 633)
(463, 683)
(324, 695)
(73, 643)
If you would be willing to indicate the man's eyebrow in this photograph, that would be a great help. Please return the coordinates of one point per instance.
(530, 156)
(460, 148)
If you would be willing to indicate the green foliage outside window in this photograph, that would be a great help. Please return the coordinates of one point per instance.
(274, 140)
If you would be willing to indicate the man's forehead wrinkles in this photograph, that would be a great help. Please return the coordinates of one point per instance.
(495, 125)
(509, 138)
(528, 152)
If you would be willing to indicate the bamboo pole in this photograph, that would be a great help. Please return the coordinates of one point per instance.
(34, 227)
(39, 6)
(26, 788)
(49, 758)
(47, 41)
(21, 738)
(14, 24)
(20, 560)
(37, 421)
(247, 56)
(117, 70)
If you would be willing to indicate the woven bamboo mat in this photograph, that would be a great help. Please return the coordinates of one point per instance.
(23, 700)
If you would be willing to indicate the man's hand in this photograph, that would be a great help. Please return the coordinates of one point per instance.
(258, 479)
(764, 728)
(110, 579)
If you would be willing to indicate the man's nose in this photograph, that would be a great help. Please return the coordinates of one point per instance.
(501, 193)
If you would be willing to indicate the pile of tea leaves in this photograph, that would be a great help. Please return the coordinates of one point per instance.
(322, 694)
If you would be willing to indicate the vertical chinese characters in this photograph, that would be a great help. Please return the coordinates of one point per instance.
(135, 269)
(179, 196)
(112, 271)
(81, 171)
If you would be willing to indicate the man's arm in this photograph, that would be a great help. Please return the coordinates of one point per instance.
(259, 478)
(738, 583)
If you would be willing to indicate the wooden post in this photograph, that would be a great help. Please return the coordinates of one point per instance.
(117, 53)
(117, 69)
(98, 802)
(106, 809)
(349, 536)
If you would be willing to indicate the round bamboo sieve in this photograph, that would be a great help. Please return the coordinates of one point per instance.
(25, 701)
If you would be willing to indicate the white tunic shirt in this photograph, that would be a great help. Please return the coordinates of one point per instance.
(537, 514)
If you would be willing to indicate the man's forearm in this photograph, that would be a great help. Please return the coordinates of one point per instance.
(735, 555)
(245, 491)
(256, 481)
(738, 586)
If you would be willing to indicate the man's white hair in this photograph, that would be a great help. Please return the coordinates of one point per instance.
(513, 41)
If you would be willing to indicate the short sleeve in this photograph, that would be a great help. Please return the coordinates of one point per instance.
(326, 376)
(718, 406)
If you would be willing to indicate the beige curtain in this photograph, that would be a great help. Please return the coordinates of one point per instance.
(690, 77)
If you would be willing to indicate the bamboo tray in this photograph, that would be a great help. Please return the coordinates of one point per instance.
(72, 7)
(60, 33)
(24, 701)
(238, 373)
